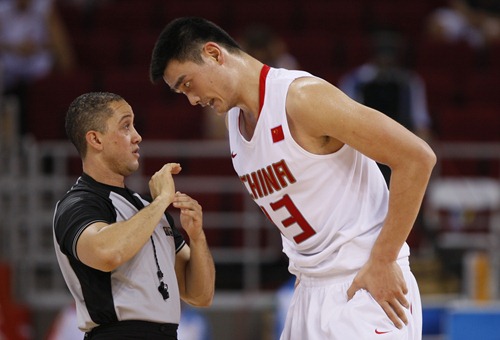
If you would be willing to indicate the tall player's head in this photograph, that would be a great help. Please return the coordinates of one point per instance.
(186, 56)
(183, 40)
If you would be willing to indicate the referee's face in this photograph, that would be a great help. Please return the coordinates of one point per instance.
(120, 142)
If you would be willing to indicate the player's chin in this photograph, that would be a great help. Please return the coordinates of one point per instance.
(220, 110)
(218, 107)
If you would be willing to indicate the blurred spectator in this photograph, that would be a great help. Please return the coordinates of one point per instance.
(386, 84)
(2, 336)
(476, 22)
(283, 299)
(265, 45)
(33, 43)
(193, 325)
(65, 326)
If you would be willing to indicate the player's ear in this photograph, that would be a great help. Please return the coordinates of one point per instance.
(213, 50)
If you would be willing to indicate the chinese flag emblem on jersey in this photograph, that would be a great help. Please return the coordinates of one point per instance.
(277, 134)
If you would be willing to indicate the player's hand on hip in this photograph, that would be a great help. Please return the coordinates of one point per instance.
(191, 214)
(162, 182)
(386, 284)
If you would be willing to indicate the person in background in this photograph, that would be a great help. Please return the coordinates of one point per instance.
(65, 325)
(306, 153)
(387, 85)
(475, 22)
(124, 261)
(33, 43)
(283, 298)
(262, 43)
(194, 325)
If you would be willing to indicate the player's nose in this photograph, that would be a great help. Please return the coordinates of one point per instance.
(194, 100)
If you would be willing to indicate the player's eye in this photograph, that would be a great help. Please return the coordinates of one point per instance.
(187, 84)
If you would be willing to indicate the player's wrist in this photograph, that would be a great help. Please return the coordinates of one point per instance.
(382, 256)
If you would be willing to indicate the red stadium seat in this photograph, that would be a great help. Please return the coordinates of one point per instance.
(469, 123)
(334, 17)
(482, 88)
(437, 56)
(133, 85)
(48, 100)
(139, 47)
(98, 52)
(314, 50)
(126, 17)
(406, 17)
(176, 119)
(442, 88)
(280, 16)
(215, 11)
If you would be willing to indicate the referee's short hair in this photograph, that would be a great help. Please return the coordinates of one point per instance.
(88, 112)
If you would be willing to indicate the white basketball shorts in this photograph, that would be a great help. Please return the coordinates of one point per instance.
(319, 310)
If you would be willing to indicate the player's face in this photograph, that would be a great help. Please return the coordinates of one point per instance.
(121, 140)
(203, 84)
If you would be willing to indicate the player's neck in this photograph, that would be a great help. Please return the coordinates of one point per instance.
(247, 122)
(248, 85)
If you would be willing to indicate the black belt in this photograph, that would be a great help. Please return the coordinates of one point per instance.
(134, 329)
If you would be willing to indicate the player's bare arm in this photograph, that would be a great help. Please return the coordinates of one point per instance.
(106, 246)
(194, 265)
(322, 119)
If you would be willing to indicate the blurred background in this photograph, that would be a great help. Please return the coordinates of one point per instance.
(433, 65)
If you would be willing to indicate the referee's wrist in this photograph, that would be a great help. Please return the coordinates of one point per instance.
(165, 199)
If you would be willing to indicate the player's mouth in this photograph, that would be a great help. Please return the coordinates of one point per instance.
(208, 103)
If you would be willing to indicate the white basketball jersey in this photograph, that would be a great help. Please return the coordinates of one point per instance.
(329, 208)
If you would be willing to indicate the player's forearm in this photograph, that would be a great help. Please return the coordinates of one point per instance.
(407, 188)
(200, 273)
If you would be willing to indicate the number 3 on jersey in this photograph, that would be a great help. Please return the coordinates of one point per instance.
(295, 217)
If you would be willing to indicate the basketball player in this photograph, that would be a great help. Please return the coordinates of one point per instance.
(306, 154)
(124, 262)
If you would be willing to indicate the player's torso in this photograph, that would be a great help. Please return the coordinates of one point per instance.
(319, 202)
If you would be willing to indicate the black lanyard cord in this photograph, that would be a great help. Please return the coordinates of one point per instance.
(163, 287)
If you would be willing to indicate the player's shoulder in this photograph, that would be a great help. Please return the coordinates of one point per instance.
(304, 91)
(306, 83)
(282, 74)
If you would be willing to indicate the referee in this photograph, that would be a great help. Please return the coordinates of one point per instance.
(124, 262)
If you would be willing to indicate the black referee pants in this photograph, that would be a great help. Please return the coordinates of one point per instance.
(133, 329)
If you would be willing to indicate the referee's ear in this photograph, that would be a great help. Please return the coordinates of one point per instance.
(94, 140)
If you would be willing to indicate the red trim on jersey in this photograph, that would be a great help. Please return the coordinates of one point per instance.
(262, 90)
(262, 85)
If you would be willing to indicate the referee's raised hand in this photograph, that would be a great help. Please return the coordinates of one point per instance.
(162, 182)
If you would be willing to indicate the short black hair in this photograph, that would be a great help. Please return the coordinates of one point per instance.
(89, 111)
(182, 40)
